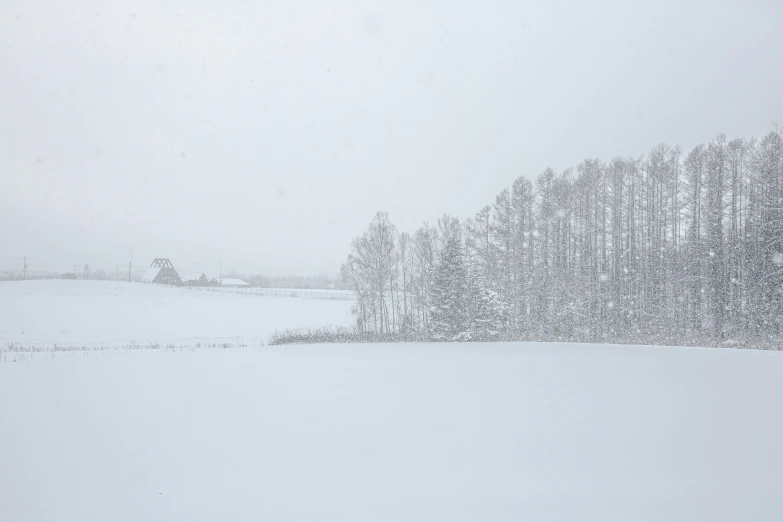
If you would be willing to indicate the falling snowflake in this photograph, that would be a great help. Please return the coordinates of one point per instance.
(603, 278)
(777, 258)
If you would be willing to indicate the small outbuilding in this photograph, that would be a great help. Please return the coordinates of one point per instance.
(199, 281)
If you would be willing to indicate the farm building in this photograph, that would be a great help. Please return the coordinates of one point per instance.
(197, 281)
(234, 283)
(161, 271)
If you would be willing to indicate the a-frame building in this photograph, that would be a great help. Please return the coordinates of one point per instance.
(161, 271)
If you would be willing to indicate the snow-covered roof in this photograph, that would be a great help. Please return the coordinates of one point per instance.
(233, 282)
(150, 274)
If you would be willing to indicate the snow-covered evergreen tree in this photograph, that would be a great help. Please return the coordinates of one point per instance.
(449, 304)
(487, 312)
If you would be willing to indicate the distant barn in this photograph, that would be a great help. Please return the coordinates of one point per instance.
(199, 281)
(161, 271)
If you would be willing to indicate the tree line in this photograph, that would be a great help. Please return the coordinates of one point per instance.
(666, 248)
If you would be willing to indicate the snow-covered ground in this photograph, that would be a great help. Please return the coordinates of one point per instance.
(317, 293)
(90, 314)
(429, 433)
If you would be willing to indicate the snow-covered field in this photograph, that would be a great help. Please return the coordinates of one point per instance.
(91, 314)
(363, 433)
(344, 433)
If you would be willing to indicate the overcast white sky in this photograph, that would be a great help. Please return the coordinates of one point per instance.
(269, 133)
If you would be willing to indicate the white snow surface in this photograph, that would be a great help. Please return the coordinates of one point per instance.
(105, 314)
(410, 432)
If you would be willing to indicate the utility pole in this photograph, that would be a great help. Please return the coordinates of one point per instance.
(25, 268)
(130, 265)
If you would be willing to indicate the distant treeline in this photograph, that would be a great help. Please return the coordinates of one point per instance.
(668, 248)
(322, 282)
(82, 272)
